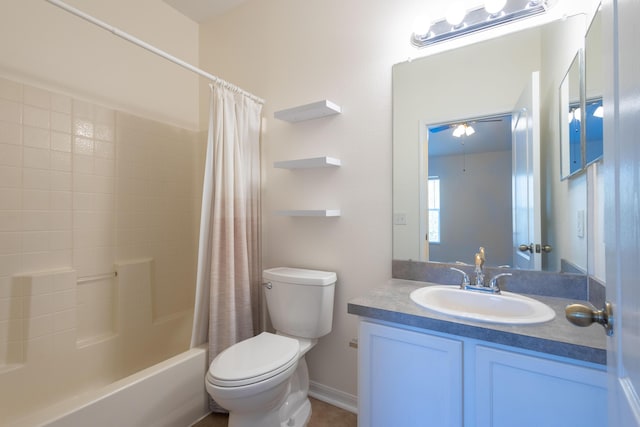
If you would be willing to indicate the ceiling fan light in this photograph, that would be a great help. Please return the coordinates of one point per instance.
(459, 131)
(469, 130)
(599, 112)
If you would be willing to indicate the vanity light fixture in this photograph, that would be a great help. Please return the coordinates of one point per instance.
(459, 22)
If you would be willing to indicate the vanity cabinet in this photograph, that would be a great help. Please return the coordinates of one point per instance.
(410, 377)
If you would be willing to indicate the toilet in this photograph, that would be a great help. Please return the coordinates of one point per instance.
(263, 381)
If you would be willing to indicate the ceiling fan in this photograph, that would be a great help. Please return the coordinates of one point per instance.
(463, 128)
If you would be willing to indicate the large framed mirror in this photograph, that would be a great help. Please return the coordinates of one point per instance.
(486, 80)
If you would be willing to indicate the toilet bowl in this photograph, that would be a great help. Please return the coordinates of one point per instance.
(263, 381)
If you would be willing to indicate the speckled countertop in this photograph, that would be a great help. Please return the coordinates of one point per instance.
(391, 303)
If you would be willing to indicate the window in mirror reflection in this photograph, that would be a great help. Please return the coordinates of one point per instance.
(433, 192)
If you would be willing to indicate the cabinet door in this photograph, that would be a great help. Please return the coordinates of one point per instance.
(513, 389)
(408, 379)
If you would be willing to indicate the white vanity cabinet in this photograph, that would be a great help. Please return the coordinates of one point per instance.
(407, 378)
(410, 378)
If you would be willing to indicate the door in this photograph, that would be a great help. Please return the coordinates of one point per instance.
(622, 213)
(526, 167)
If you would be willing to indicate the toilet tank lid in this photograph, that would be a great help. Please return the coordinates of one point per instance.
(300, 276)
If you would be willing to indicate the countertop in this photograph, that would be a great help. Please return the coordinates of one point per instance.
(390, 302)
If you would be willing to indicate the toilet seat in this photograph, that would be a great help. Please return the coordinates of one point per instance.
(253, 360)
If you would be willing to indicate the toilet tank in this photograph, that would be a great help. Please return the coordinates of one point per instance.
(300, 302)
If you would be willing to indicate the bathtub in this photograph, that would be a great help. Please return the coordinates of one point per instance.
(168, 394)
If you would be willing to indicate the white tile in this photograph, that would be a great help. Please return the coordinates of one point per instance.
(36, 200)
(64, 300)
(10, 177)
(65, 280)
(36, 158)
(10, 133)
(82, 145)
(36, 97)
(36, 261)
(10, 111)
(38, 350)
(61, 181)
(10, 330)
(59, 240)
(36, 117)
(35, 241)
(60, 258)
(10, 243)
(10, 155)
(10, 90)
(38, 326)
(61, 141)
(104, 149)
(104, 167)
(104, 115)
(83, 127)
(61, 161)
(41, 284)
(60, 103)
(35, 137)
(36, 221)
(61, 200)
(11, 287)
(104, 132)
(10, 221)
(10, 199)
(61, 220)
(82, 109)
(61, 122)
(83, 164)
(84, 183)
(10, 264)
(11, 308)
(64, 320)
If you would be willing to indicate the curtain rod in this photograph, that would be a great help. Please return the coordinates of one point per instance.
(153, 49)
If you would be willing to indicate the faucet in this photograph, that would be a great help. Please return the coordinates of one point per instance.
(479, 261)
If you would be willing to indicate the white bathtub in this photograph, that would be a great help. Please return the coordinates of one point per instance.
(168, 394)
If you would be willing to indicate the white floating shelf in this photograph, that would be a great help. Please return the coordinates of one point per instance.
(310, 212)
(314, 110)
(315, 162)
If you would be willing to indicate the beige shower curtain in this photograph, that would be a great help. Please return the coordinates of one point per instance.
(229, 273)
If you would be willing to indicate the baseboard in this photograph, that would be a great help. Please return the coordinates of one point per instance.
(334, 397)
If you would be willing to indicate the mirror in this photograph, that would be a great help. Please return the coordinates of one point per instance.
(571, 119)
(593, 89)
(485, 80)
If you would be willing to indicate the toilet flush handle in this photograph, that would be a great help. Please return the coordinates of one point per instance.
(267, 285)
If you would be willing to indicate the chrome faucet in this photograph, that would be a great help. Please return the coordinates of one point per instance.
(479, 261)
(480, 285)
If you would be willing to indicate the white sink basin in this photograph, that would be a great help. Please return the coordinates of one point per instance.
(506, 307)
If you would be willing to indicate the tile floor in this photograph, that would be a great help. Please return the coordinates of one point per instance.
(322, 415)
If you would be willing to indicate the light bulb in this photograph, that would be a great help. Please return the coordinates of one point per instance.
(469, 130)
(493, 7)
(455, 13)
(421, 26)
(458, 131)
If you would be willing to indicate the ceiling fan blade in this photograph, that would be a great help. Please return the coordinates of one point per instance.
(436, 129)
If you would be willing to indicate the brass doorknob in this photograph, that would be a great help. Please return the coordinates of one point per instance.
(546, 248)
(525, 248)
(583, 315)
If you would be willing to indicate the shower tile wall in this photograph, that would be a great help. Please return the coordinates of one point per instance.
(82, 189)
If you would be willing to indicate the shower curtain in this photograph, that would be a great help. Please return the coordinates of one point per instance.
(229, 273)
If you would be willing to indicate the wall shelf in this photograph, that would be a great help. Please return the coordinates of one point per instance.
(310, 212)
(311, 111)
(315, 162)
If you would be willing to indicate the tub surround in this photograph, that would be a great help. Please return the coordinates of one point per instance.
(390, 302)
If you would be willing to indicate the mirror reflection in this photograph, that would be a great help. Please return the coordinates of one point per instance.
(571, 141)
(465, 85)
(594, 82)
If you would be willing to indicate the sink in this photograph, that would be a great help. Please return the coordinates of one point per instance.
(506, 307)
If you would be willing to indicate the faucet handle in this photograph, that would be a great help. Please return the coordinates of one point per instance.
(493, 283)
(465, 278)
